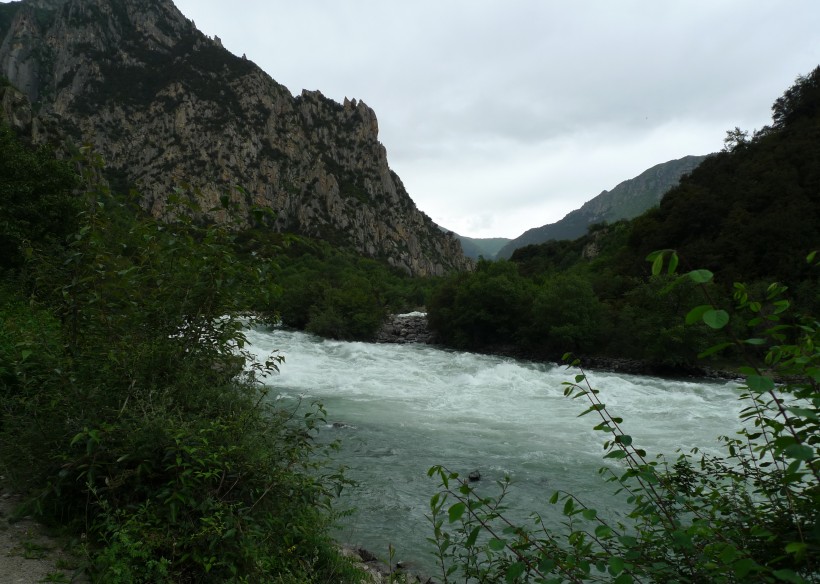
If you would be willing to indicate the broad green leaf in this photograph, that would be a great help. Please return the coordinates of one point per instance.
(589, 514)
(603, 531)
(616, 565)
(759, 383)
(514, 571)
(700, 276)
(716, 319)
(624, 439)
(456, 511)
(696, 314)
(497, 544)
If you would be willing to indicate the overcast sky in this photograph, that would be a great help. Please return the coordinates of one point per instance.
(500, 116)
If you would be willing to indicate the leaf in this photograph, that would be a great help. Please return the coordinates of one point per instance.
(799, 452)
(716, 319)
(624, 439)
(696, 314)
(657, 265)
(673, 263)
(456, 511)
(514, 571)
(603, 532)
(497, 544)
(760, 383)
(700, 276)
(714, 349)
(589, 514)
(616, 565)
(472, 537)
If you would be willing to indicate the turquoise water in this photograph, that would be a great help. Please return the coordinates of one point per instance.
(399, 409)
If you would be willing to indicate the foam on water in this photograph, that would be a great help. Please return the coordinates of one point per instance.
(400, 409)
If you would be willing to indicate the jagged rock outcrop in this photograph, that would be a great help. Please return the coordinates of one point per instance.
(166, 105)
(627, 200)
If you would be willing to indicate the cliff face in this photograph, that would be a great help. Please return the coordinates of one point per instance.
(164, 104)
(627, 200)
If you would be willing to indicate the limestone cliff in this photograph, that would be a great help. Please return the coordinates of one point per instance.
(166, 105)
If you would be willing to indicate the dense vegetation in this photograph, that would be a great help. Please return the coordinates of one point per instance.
(130, 410)
(750, 212)
(750, 515)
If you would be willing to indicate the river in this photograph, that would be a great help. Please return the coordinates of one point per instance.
(399, 409)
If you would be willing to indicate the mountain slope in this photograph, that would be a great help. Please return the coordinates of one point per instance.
(163, 103)
(487, 247)
(627, 200)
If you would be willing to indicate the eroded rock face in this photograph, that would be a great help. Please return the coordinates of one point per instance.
(165, 105)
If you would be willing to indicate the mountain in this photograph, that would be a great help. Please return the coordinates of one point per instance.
(486, 247)
(627, 200)
(163, 103)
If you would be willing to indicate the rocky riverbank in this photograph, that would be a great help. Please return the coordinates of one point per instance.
(406, 328)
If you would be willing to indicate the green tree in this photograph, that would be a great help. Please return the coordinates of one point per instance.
(567, 315)
(485, 308)
(751, 515)
(37, 206)
(132, 411)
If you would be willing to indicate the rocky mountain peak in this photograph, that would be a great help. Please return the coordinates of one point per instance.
(165, 104)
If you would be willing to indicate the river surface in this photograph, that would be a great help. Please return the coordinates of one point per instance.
(399, 409)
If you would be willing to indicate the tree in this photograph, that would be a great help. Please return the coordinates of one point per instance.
(752, 515)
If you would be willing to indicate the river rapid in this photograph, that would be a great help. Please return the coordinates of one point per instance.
(399, 409)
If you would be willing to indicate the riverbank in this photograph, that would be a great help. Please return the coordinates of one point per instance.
(413, 328)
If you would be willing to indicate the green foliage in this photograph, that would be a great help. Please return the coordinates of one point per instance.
(132, 411)
(567, 315)
(339, 295)
(752, 515)
(484, 308)
(36, 203)
(748, 212)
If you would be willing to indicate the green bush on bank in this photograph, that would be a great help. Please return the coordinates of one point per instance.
(751, 514)
(132, 413)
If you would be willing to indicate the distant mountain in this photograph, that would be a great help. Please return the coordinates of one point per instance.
(626, 201)
(486, 247)
(165, 105)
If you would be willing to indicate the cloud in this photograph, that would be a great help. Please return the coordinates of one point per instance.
(505, 116)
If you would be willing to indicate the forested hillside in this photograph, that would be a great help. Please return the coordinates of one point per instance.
(751, 213)
(628, 199)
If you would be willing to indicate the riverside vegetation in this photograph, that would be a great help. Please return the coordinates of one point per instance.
(132, 414)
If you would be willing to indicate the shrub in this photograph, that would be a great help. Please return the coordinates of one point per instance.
(752, 515)
(132, 411)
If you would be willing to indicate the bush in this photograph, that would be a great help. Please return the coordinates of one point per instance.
(752, 515)
(132, 412)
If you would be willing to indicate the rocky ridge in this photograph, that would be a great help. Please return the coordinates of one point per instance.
(166, 106)
(627, 200)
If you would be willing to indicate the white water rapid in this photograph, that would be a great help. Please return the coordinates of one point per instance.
(399, 409)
